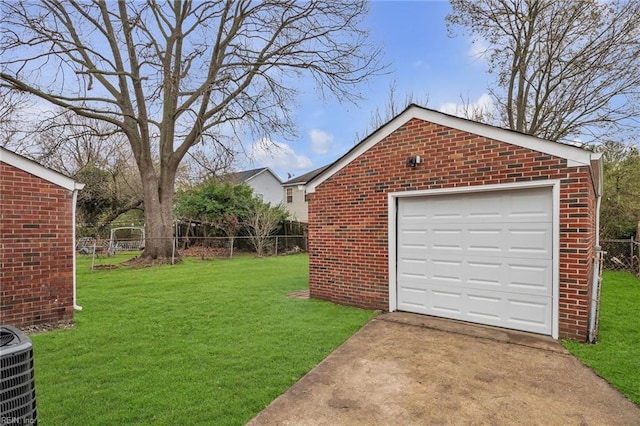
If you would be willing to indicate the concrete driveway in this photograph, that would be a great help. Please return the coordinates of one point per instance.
(404, 369)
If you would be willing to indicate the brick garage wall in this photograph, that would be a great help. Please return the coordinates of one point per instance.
(37, 250)
(348, 239)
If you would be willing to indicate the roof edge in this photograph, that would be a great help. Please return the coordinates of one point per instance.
(32, 167)
(575, 156)
(265, 169)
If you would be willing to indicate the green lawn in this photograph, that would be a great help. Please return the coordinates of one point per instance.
(616, 356)
(202, 342)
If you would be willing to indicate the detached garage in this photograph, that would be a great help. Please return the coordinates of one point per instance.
(442, 216)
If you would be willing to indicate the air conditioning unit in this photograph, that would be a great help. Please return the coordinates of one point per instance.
(18, 390)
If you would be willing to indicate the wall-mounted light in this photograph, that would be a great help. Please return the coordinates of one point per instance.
(413, 161)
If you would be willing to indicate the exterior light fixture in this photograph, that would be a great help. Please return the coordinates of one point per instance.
(413, 161)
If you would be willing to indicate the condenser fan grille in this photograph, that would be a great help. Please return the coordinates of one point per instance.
(17, 389)
(6, 337)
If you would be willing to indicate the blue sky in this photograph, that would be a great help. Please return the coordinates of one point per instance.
(422, 60)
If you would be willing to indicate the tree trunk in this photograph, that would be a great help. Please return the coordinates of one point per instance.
(158, 213)
(159, 231)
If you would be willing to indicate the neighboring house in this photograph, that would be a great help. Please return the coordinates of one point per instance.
(295, 196)
(488, 225)
(266, 185)
(37, 221)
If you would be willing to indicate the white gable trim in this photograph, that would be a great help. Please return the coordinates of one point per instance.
(575, 156)
(266, 169)
(38, 170)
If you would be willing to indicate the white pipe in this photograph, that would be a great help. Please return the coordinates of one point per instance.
(73, 241)
(595, 283)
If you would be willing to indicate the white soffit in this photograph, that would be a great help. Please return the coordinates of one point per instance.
(575, 156)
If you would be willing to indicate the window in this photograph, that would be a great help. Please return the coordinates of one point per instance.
(306, 197)
(289, 195)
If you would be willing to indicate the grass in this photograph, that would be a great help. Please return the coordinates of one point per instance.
(202, 342)
(616, 356)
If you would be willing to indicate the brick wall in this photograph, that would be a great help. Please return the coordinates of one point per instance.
(348, 212)
(36, 260)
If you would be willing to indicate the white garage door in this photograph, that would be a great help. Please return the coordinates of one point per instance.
(482, 257)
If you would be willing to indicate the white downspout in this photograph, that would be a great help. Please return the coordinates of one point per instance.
(597, 265)
(78, 187)
(595, 283)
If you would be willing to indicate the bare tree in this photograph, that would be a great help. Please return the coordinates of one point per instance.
(67, 143)
(93, 152)
(261, 222)
(8, 105)
(230, 225)
(393, 107)
(482, 110)
(565, 69)
(208, 159)
(168, 73)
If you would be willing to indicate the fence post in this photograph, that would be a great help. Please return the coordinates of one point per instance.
(93, 256)
(637, 247)
(276, 245)
(173, 250)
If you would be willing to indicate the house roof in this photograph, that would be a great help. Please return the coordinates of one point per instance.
(304, 178)
(575, 156)
(32, 167)
(247, 175)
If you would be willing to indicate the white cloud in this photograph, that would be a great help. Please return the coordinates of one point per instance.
(278, 156)
(321, 141)
(483, 107)
(479, 50)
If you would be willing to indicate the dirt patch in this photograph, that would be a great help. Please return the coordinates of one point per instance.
(205, 252)
(145, 262)
(99, 267)
(41, 328)
(301, 294)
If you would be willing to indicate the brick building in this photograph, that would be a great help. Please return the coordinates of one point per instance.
(37, 231)
(438, 215)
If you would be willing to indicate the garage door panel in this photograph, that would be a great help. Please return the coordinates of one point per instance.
(412, 298)
(445, 302)
(445, 239)
(487, 240)
(415, 211)
(532, 241)
(411, 238)
(529, 311)
(530, 278)
(488, 273)
(528, 314)
(486, 258)
(532, 205)
(512, 240)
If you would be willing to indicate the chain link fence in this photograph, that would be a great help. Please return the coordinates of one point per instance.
(105, 253)
(218, 247)
(106, 245)
(621, 255)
